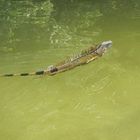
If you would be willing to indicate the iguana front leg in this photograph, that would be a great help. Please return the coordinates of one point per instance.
(91, 59)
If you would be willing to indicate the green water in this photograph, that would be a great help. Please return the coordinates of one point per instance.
(98, 101)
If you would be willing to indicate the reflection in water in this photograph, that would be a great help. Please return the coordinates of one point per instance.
(96, 101)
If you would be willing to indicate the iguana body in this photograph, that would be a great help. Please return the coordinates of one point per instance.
(84, 57)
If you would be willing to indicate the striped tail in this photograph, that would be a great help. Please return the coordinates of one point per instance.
(24, 74)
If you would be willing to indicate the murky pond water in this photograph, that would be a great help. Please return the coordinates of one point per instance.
(98, 101)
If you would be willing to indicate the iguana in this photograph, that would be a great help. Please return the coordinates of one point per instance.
(84, 57)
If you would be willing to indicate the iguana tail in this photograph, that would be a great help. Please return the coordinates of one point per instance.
(24, 74)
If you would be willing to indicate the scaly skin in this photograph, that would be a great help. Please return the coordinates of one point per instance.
(70, 65)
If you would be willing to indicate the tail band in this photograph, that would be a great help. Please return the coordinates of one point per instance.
(8, 75)
(39, 72)
(24, 74)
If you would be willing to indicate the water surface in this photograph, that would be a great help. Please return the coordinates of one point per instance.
(97, 101)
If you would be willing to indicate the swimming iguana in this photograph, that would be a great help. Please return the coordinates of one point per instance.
(84, 57)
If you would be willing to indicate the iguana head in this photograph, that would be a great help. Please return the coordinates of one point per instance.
(101, 49)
